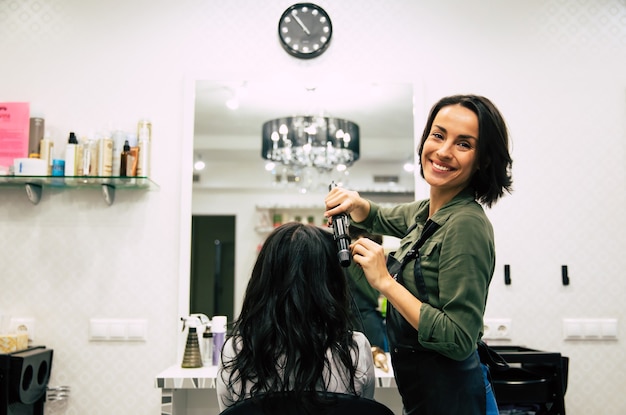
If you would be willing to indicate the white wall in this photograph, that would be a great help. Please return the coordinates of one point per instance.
(556, 69)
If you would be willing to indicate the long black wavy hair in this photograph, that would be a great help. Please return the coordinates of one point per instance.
(296, 308)
(493, 177)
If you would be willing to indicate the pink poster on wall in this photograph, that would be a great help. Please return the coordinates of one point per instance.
(14, 124)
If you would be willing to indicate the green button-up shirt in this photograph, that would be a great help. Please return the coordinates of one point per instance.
(457, 263)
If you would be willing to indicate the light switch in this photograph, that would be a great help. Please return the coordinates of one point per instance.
(590, 328)
(117, 329)
(609, 328)
(98, 329)
(137, 330)
(572, 329)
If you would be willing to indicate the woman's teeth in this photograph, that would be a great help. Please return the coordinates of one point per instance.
(440, 167)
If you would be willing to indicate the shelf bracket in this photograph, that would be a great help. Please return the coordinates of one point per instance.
(33, 192)
(108, 192)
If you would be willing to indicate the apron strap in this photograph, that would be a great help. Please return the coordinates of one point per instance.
(429, 229)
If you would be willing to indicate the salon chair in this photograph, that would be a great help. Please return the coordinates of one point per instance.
(286, 404)
(535, 379)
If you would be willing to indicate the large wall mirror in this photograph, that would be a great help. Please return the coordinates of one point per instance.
(224, 120)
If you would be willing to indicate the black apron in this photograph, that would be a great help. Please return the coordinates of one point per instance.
(429, 382)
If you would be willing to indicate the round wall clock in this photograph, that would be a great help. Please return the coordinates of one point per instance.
(305, 30)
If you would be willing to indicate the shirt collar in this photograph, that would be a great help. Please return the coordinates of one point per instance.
(464, 197)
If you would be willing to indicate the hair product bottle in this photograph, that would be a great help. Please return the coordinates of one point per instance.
(45, 152)
(218, 327)
(87, 158)
(207, 347)
(80, 154)
(93, 154)
(105, 156)
(144, 136)
(118, 137)
(133, 161)
(71, 160)
(125, 160)
(35, 134)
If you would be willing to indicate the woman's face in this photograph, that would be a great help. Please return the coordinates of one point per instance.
(450, 153)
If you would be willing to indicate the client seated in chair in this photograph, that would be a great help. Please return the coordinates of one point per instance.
(294, 332)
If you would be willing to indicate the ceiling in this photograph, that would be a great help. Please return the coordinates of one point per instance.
(383, 111)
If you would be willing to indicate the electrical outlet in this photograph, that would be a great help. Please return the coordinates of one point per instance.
(23, 324)
(503, 328)
(497, 329)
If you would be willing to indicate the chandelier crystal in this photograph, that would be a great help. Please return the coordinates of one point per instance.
(324, 143)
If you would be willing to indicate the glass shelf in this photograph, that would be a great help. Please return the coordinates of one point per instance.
(108, 184)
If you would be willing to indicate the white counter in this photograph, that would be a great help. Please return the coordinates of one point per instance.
(192, 391)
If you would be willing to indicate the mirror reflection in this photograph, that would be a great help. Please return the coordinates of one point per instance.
(229, 117)
(240, 193)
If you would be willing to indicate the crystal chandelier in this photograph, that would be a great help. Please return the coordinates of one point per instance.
(324, 143)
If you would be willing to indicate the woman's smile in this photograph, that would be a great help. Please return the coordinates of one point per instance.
(440, 167)
(449, 155)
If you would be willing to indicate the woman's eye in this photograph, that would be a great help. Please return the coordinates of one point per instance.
(465, 145)
(438, 136)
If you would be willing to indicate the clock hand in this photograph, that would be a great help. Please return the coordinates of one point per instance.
(297, 19)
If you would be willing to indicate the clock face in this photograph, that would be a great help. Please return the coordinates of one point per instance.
(305, 30)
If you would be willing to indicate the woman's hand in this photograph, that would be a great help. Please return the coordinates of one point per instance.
(370, 256)
(340, 200)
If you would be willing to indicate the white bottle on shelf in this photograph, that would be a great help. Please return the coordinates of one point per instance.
(118, 137)
(105, 156)
(144, 137)
(207, 347)
(71, 159)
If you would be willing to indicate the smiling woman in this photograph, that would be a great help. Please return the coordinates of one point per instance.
(437, 282)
